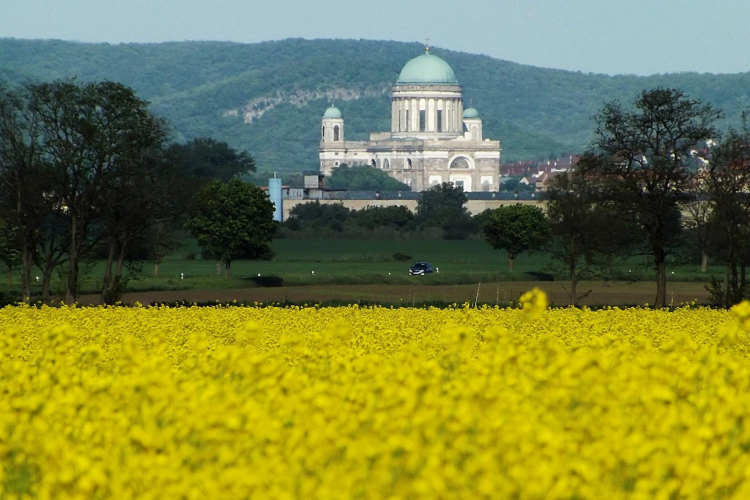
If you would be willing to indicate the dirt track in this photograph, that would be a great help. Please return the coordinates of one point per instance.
(601, 293)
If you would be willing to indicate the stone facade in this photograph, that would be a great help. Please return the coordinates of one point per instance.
(432, 138)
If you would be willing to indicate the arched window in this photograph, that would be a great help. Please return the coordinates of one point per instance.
(408, 163)
(386, 163)
(374, 163)
(335, 132)
(486, 185)
(460, 162)
(323, 133)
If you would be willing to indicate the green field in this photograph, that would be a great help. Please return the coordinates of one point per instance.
(299, 262)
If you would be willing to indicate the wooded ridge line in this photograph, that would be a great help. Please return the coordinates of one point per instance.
(209, 89)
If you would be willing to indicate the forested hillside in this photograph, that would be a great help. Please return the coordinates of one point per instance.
(267, 98)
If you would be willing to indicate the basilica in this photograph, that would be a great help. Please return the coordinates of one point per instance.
(433, 139)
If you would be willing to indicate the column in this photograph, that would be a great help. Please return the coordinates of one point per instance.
(461, 113)
(394, 116)
(414, 118)
(430, 112)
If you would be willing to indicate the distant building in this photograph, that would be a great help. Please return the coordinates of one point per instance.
(433, 139)
(537, 173)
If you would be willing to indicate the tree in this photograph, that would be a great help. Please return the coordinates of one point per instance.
(9, 253)
(140, 203)
(441, 202)
(364, 178)
(396, 216)
(726, 183)
(610, 237)
(643, 159)
(571, 206)
(207, 159)
(516, 229)
(698, 212)
(92, 133)
(318, 216)
(443, 206)
(23, 175)
(232, 221)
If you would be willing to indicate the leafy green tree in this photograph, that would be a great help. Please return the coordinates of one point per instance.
(396, 216)
(232, 221)
(443, 206)
(318, 216)
(643, 157)
(207, 159)
(517, 229)
(514, 184)
(364, 178)
(91, 132)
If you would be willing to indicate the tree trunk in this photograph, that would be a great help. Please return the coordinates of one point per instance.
(108, 269)
(26, 272)
(735, 283)
(661, 284)
(71, 286)
(704, 261)
(156, 269)
(573, 284)
(743, 281)
(46, 279)
(510, 262)
(726, 287)
(120, 262)
(226, 269)
(218, 268)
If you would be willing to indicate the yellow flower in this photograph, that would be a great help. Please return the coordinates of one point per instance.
(370, 402)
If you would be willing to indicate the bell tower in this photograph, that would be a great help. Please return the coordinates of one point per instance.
(332, 127)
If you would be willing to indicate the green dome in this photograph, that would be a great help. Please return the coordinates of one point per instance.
(332, 112)
(471, 113)
(427, 70)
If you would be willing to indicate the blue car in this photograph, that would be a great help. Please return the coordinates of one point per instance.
(420, 269)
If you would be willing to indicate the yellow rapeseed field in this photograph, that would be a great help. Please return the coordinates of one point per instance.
(374, 403)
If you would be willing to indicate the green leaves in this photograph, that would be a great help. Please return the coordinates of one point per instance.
(232, 221)
(516, 229)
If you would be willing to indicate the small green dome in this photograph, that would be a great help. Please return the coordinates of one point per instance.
(332, 112)
(471, 113)
(427, 70)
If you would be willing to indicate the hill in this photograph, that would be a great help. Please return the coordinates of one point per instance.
(267, 98)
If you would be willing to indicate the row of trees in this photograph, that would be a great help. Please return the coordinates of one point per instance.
(653, 171)
(343, 177)
(441, 213)
(86, 170)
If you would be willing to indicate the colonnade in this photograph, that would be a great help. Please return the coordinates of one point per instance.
(427, 114)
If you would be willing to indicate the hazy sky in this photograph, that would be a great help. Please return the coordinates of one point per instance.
(605, 36)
